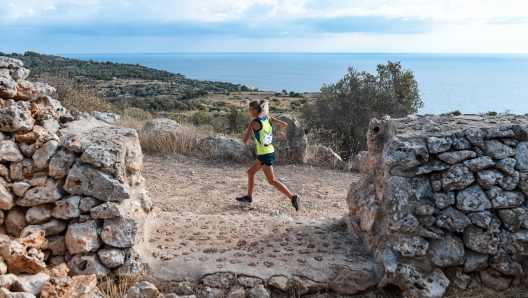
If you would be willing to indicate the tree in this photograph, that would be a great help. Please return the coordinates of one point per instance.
(341, 113)
(284, 91)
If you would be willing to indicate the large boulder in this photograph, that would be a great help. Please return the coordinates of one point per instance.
(291, 149)
(220, 145)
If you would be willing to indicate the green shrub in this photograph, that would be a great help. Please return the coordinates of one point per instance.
(454, 113)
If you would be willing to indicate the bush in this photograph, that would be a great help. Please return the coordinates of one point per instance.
(454, 113)
(237, 121)
(342, 111)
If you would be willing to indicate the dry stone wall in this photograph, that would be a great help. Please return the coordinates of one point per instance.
(443, 199)
(69, 178)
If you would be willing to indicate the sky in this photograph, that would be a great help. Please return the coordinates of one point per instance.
(186, 26)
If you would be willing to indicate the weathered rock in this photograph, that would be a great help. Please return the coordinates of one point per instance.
(411, 247)
(452, 220)
(161, 125)
(361, 195)
(454, 157)
(107, 117)
(475, 261)
(9, 152)
(447, 252)
(456, 276)
(133, 264)
(37, 214)
(521, 156)
(406, 154)
(15, 220)
(457, 177)
(432, 166)
(438, 145)
(87, 264)
(8, 86)
(505, 199)
(60, 163)
(86, 180)
(119, 232)
(509, 182)
(523, 182)
(111, 257)
(504, 264)
(516, 244)
(444, 199)
(472, 198)
(67, 208)
(57, 245)
(51, 192)
(258, 292)
(358, 160)
(32, 91)
(31, 283)
(475, 138)
(461, 143)
(16, 118)
(416, 284)
(107, 210)
(497, 150)
(82, 237)
(488, 178)
(7, 199)
(424, 210)
(481, 219)
(293, 147)
(494, 283)
(479, 163)
(279, 282)
(348, 282)
(496, 132)
(235, 292)
(326, 157)
(6, 280)
(512, 218)
(247, 282)
(5, 293)
(19, 73)
(143, 289)
(219, 280)
(23, 258)
(506, 165)
(43, 155)
(19, 188)
(305, 286)
(87, 203)
(52, 227)
(482, 241)
(224, 145)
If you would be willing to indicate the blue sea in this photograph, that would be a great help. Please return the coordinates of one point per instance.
(471, 83)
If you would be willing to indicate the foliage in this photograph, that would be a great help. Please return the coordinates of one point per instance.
(342, 111)
(454, 113)
(237, 121)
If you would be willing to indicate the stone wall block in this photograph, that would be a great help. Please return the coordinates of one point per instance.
(506, 165)
(432, 166)
(496, 132)
(509, 182)
(457, 177)
(31, 283)
(119, 232)
(16, 118)
(475, 138)
(15, 220)
(453, 220)
(87, 264)
(497, 150)
(482, 241)
(438, 145)
(406, 154)
(505, 265)
(20, 188)
(444, 199)
(31, 91)
(38, 214)
(521, 156)
(57, 245)
(494, 282)
(472, 198)
(454, 157)
(67, 208)
(61, 163)
(7, 199)
(82, 237)
(112, 257)
(446, 252)
(43, 155)
(475, 261)
(8, 86)
(479, 163)
(411, 246)
(488, 178)
(9, 152)
(505, 199)
(516, 244)
(52, 227)
(51, 192)
(481, 219)
(22, 170)
(523, 182)
(462, 143)
(107, 210)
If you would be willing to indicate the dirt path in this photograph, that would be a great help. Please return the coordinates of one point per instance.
(182, 184)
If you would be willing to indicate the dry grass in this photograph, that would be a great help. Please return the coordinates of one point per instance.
(171, 142)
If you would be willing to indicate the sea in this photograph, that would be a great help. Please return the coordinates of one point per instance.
(469, 83)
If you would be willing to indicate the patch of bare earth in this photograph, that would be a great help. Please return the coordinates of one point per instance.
(183, 184)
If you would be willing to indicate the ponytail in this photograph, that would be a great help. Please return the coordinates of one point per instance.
(261, 105)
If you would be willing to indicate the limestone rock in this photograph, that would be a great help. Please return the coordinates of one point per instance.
(52, 227)
(111, 257)
(444, 199)
(411, 247)
(452, 220)
(481, 219)
(258, 292)
(516, 244)
(235, 292)
(432, 166)
(349, 282)
(51, 192)
(279, 282)
(494, 283)
(20, 187)
(506, 165)
(247, 282)
(358, 160)
(438, 145)
(119, 232)
(505, 199)
(107, 117)
(32, 91)
(82, 237)
(415, 284)
(8, 86)
(160, 125)
(505, 265)
(447, 252)
(482, 241)
(67, 208)
(6, 280)
(305, 286)
(475, 261)
(87, 203)
(43, 155)
(479, 163)
(457, 177)
(16, 118)
(7, 199)
(37, 214)
(15, 221)
(461, 143)
(219, 280)
(5, 293)
(133, 264)
(86, 180)
(523, 182)
(107, 210)
(488, 178)
(143, 289)
(224, 145)
(326, 157)
(87, 264)
(521, 156)
(475, 138)
(406, 154)
(472, 198)
(22, 258)
(19, 73)
(57, 245)
(60, 163)
(454, 157)
(293, 147)
(9, 152)
(509, 182)
(22, 170)
(497, 150)
(31, 283)
(457, 277)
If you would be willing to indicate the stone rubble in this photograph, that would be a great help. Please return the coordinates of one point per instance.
(442, 199)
